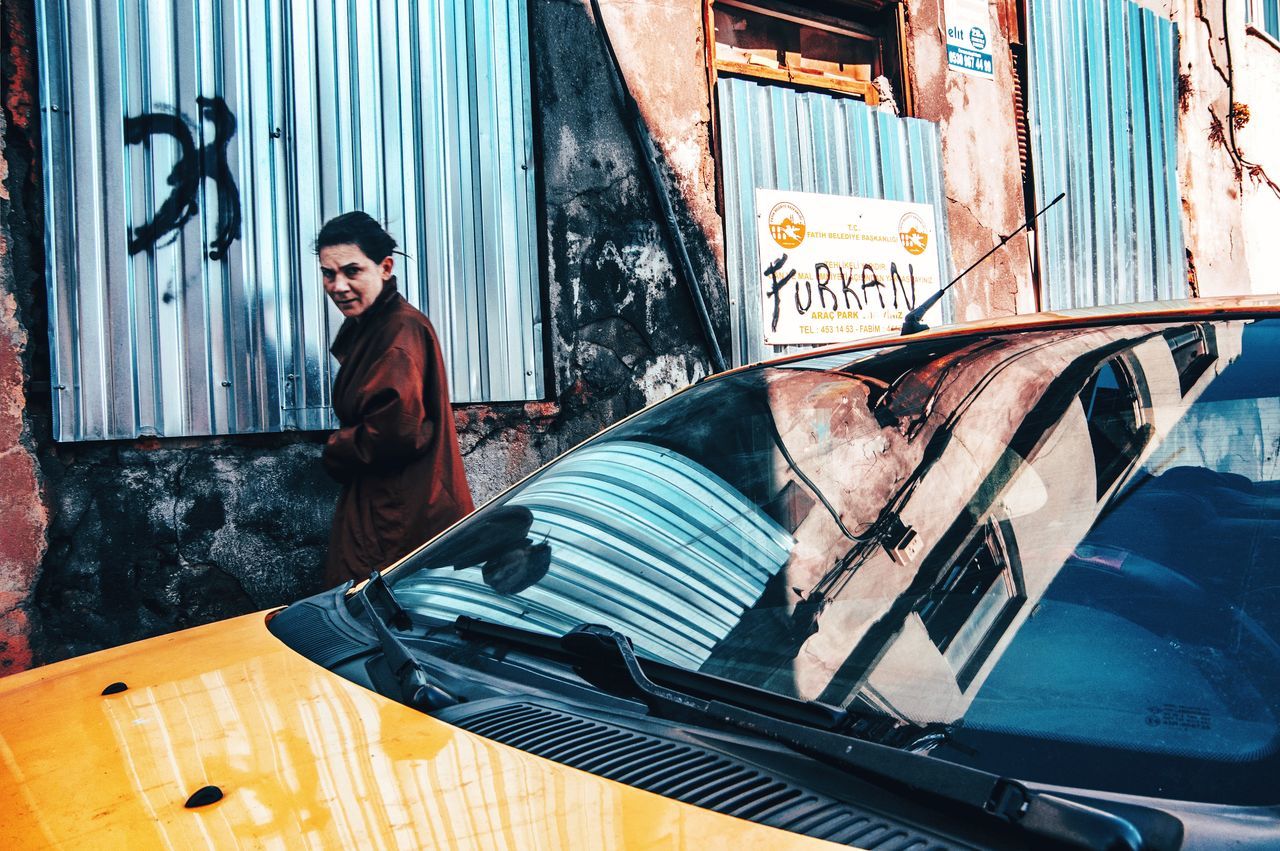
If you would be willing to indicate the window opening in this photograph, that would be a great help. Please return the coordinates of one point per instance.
(1265, 15)
(1193, 349)
(844, 52)
(1112, 408)
(971, 604)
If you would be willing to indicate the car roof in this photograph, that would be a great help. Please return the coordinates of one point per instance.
(1172, 310)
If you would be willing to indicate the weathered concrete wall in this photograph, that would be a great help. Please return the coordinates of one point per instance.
(626, 331)
(1258, 87)
(156, 535)
(979, 162)
(661, 46)
(1212, 194)
(623, 329)
(149, 536)
(22, 529)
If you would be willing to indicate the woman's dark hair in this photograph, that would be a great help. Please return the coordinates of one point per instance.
(360, 229)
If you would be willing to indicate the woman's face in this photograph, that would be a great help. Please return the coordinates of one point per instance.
(351, 279)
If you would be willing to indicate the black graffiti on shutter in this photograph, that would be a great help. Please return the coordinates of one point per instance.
(194, 165)
(776, 287)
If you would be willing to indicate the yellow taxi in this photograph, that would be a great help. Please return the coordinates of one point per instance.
(1009, 584)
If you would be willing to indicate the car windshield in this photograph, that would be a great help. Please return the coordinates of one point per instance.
(1062, 544)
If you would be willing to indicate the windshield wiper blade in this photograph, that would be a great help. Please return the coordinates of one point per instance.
(416, 688)
(1008, 800)
(808, 713)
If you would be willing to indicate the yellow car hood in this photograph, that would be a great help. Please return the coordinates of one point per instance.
(304, 759)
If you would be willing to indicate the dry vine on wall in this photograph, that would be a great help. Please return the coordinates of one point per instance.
(1222, 133)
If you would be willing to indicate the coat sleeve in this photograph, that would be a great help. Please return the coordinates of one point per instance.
(393, 425)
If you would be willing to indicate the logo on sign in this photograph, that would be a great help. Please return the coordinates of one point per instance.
(977, 38)
(786, 225)
(913, 233)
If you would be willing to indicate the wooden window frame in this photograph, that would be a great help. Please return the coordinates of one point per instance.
(838, 84)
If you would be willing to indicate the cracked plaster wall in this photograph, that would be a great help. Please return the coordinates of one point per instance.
(1212, 211)
(979, 163)
(1258, 85)
(1230, 216)
(624, 330)
(22, 532)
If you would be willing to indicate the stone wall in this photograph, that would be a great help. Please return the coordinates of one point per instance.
(23, 515)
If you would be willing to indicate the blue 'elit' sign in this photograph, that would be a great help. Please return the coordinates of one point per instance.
(969, 37)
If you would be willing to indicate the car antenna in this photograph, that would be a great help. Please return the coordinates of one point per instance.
(913, 322)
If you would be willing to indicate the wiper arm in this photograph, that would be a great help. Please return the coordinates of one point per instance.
(1044, 815)
(416, 688)
(806, 712)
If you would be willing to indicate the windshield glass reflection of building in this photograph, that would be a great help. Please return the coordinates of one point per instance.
(642, 539)
(1004, 496)
(876, 531)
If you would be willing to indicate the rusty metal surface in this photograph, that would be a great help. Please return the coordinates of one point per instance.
(1103, 113)
(191, 153)
(777, 138)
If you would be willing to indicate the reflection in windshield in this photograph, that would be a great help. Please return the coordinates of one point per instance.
(618, 515)
(1066, 536)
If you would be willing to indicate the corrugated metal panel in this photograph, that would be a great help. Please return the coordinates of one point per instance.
(1104, 116)
(620, 510)
(777, 138)
(418, 112)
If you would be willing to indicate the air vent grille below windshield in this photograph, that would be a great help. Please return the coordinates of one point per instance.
(309, 629)
(689, 773)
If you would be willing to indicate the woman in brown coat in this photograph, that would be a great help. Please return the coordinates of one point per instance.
(396, 452)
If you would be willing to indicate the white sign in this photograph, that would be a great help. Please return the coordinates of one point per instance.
(834, 268)
(969, 37)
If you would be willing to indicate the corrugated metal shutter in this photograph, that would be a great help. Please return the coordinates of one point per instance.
(779, 138)
(1104, 130)
(418, 112)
